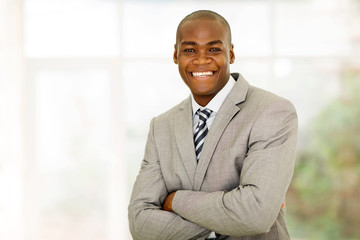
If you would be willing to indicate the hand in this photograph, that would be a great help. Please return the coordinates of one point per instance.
(167, 205)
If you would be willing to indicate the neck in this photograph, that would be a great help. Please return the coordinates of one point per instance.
(203, 100)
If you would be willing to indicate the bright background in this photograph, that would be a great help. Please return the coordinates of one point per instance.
(80, 81)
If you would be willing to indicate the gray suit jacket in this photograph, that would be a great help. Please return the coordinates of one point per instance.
(238, 186)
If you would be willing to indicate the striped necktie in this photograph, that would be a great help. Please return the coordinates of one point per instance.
(201, 130)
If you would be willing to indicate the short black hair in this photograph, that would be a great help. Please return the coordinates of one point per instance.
(205, 14)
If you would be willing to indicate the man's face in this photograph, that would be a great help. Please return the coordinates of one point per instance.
(203, 53)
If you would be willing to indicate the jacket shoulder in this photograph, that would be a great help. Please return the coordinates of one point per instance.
(262, 98)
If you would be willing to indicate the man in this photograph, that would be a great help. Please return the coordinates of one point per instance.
(221, 161)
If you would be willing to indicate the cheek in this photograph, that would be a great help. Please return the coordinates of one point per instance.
(219, 60)
(182, 70)
(182, 65)
(224, 64)
(184, 61)
(224, 60)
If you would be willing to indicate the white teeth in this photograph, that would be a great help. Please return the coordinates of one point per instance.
(202, 74)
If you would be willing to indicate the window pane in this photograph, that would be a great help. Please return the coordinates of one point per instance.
(150, 88)
(73, 155)
(78, 28)
(250, 26)
(309, 83)
(305, 29)
(153, 35)
(256, 71)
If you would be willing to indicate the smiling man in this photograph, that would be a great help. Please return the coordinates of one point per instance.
(218, 165)
(203, 52)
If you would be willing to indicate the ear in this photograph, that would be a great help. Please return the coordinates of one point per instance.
(175, 56)
(232, 54)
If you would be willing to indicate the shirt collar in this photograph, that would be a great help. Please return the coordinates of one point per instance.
(219, 98)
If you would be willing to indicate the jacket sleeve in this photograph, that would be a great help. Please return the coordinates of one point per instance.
(147, 220)
(253, 206)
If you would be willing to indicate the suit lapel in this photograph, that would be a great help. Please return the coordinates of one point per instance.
(227, 111)
(184, 138)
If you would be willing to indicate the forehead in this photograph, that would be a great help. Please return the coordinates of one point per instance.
(202, 30)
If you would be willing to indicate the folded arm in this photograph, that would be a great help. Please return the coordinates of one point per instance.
(253, 206)
(147, 219)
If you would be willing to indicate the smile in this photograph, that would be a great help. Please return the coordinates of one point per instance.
(202, 74)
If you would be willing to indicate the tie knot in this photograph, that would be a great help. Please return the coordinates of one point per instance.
(204, 114)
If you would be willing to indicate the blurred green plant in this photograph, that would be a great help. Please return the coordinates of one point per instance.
(325, 192)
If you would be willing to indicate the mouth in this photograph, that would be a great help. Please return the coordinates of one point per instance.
(202, 74)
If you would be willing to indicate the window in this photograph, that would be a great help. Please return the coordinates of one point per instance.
(80, 81)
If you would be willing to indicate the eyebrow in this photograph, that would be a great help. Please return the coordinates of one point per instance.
(215, 42)
(192, 43)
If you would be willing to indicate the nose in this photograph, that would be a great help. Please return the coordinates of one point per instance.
(202, 58)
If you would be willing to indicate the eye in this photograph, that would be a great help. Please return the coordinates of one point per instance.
(214, 49)
(189, 50)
